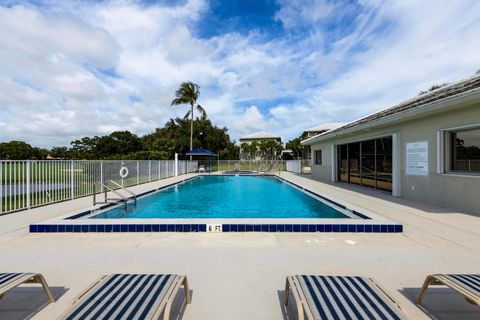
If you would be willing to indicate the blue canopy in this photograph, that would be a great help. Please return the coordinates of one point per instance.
(201, 152)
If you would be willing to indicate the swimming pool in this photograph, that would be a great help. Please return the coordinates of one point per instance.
(219, 203)
(228, 196)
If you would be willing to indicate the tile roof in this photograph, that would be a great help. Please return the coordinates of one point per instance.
(414, 103)
(325, 126)
(260, 135)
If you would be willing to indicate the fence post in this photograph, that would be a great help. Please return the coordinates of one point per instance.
(1, 186)
(149, 171)
(176, 164)
(28, 184)
(101, 177)
(138, 172)
(71, 180)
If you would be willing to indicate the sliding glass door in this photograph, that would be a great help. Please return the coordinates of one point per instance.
(367, 163)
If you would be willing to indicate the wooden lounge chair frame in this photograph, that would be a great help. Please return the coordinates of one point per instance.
(441, 279)
(27, 278)
(303, 308)
(164, 306)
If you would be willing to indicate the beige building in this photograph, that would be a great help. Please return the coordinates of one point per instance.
(257, 137)
(425, 149)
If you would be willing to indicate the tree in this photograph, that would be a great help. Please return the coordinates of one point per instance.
(263, 148)
(249, 150)
(296, 147)
(173, 137)
(274, 149)
(253, 150)
(188, 93)
(59, 152)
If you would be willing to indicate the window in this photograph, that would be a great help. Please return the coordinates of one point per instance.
(318, 157)
(368, 163)
(465, 151)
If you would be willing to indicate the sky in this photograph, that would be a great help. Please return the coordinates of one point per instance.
(70, 69)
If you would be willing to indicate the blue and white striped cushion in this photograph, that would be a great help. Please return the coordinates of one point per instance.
(471, 282)
(123, 296)
(338, 297)
(7, 278)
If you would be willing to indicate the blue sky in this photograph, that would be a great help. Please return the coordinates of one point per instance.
(74, 68)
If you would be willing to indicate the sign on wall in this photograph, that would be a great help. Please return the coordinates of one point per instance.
(417, 158)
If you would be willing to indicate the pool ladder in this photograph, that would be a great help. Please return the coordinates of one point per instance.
(121, 198)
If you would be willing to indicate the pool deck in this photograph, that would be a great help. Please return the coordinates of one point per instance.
(239, 275)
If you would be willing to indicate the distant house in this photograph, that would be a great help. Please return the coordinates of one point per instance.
(307, 151)
(256, 138)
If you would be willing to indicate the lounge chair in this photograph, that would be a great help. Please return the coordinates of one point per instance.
(467, 285)
(12, 280)
(340, 297)
(128, 296)
(201, 169)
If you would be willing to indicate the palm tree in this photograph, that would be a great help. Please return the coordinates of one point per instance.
(188, 93)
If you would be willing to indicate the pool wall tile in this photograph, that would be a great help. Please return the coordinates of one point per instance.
(85, 228)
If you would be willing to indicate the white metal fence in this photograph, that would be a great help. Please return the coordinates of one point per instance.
(472, 165)
(29, 183)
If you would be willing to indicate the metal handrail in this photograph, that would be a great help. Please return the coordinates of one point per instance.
(121, 187)
(122, 197)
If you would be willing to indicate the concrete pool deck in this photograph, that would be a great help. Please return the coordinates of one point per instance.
(241, 276)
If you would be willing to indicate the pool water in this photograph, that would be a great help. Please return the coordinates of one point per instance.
(227, 197)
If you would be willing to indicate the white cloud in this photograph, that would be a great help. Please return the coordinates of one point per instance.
(70, 69)
(251, 120)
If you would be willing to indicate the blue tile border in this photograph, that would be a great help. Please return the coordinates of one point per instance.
(297, 228)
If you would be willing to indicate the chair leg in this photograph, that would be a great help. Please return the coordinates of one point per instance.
(287, 290)
(428, 281)
(188, 298)
(40, 279)
(166, 312)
